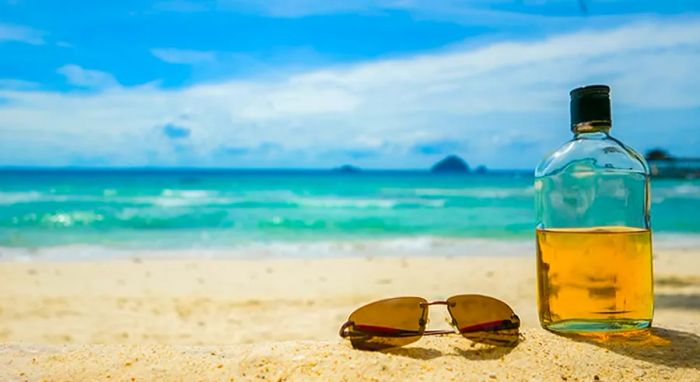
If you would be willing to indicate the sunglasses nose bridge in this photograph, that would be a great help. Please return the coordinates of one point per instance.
(426, 304)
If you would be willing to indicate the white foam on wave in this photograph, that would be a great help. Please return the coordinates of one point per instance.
(8, 198)
(670, 240)
(395, 247)
(60, 219)
(74, 218)
(687, 189)
(365, 203)
(690, 191)
(344, 203)
(184, 198)
(189, 194)
(78, 252)
(482, 193)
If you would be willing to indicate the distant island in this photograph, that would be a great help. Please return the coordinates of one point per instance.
(347, 169)
(452, 164)
(663, 165)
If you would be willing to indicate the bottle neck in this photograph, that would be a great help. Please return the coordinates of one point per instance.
(591, 128)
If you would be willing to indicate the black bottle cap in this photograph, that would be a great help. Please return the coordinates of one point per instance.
(590, 104)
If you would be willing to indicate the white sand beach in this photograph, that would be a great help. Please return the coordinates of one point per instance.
(142, 319)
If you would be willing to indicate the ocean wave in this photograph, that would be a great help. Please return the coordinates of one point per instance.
(12, 198)
(367, 203)
(481, 193)
(139, 212)
(686, 191)
(129, 218)
(278, 222)
(181, 198)
(345, 203)
(8, 198)
(428, 246)
(57, 219)
(169, 198)
(211, 201)
(425, 245)
(157, 218)
(77, 218)
(189, 194)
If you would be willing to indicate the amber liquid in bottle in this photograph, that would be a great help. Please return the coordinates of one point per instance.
(593, 279)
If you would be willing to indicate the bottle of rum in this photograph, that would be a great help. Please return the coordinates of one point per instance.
(594, 259)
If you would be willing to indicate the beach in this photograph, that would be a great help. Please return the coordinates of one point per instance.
(214, 190)
(149, 316)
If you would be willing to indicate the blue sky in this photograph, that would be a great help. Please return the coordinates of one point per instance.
(313, 83)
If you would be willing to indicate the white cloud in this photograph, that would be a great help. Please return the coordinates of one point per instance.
(183, 56)
(473, 12)
(87, 78)
(276, 8)
(11, 32)
(506, 103)
(298, 8)
(182, 6)
(9, 83)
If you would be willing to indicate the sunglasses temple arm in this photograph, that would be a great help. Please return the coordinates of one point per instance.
(343, 329)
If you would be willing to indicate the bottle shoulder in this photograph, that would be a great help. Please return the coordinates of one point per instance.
(599, 154)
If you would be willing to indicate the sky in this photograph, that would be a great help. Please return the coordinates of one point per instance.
(321, 83)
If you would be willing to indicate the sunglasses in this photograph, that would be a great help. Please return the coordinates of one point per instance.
(400, 321)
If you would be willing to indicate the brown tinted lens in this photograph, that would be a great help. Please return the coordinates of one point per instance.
(484, 319)
(387, 323)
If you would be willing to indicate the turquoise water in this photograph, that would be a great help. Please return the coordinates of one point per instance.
(147, 209)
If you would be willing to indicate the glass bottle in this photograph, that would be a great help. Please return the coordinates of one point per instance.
(594, 260)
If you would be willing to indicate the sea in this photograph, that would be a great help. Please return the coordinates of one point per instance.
(213, 209)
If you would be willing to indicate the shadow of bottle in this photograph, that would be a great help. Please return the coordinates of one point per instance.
(661, 346)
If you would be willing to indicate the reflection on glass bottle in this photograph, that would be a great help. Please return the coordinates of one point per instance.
(593, 234)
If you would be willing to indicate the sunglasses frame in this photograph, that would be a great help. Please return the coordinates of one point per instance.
(512, 323)
(343, 333)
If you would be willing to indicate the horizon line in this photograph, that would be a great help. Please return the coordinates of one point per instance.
(337, 169)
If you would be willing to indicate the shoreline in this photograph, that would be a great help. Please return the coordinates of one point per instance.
(312, 249)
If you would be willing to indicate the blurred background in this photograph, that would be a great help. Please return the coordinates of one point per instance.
(179, 124)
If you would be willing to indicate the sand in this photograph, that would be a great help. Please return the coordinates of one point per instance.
(274, 319)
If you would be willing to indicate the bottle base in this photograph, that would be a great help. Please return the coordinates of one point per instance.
(597, 326)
